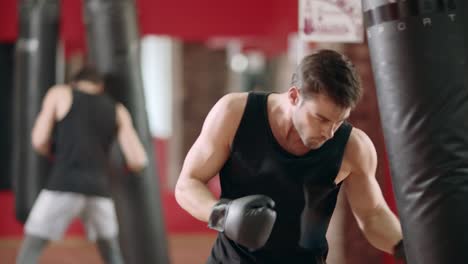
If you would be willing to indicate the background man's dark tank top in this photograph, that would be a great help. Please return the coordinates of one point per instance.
(82, 144)
(303, 188)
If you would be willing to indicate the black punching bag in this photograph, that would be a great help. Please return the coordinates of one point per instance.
(419, 52)
(6, 80)
(35, 58)
(114, 46)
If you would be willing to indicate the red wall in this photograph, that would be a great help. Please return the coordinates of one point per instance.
(185, 19)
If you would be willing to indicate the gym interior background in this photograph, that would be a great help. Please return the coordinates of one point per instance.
(192, 53)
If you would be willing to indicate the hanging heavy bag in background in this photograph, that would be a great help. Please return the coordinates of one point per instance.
(34, 73)
(6, 79)
(114, 46)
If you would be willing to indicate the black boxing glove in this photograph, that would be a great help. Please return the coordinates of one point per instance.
(248, 220)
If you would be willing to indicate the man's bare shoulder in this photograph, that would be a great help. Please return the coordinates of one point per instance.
(360, 151)
(231, 106)
(60, 88)
(57, 93)
(224, 118)
(358, 138)
(234, 101)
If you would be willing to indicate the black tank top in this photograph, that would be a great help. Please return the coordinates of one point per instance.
(303, 188)
(82, 144)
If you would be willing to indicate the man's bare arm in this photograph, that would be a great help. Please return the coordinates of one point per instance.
(207, 156)
(378, 223)
(44, 124)
(132, 148)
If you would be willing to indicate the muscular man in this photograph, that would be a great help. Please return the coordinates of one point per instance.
(282, 159)
(87, 122)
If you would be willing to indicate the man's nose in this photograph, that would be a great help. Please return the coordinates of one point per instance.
(328, 131)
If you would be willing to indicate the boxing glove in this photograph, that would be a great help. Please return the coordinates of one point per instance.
(247, 221)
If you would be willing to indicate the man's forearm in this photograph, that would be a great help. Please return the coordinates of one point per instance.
(382, 229)
(195, 197)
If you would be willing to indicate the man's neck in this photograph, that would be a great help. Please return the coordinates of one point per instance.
(88, 87)
(280, 120)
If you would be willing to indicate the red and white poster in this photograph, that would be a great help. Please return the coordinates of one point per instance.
(331, 20)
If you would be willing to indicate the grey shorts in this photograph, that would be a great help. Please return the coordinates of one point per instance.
(53, 212)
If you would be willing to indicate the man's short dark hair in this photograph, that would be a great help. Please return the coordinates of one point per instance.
(88, 73)
(330, 73)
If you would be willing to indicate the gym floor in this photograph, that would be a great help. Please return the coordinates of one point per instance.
(183, 249)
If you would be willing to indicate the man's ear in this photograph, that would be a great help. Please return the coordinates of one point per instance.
(293, 95)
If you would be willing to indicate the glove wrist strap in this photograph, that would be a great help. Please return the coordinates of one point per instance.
(218, 215)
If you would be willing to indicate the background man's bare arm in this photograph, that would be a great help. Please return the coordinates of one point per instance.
(132, 148)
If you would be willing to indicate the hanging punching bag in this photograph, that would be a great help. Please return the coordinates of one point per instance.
(113, 41)
(6, 79)
(419, 52)
(35, 57)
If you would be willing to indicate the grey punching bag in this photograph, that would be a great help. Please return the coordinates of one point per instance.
(113, 41)
(34, 73)
(419, 52)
